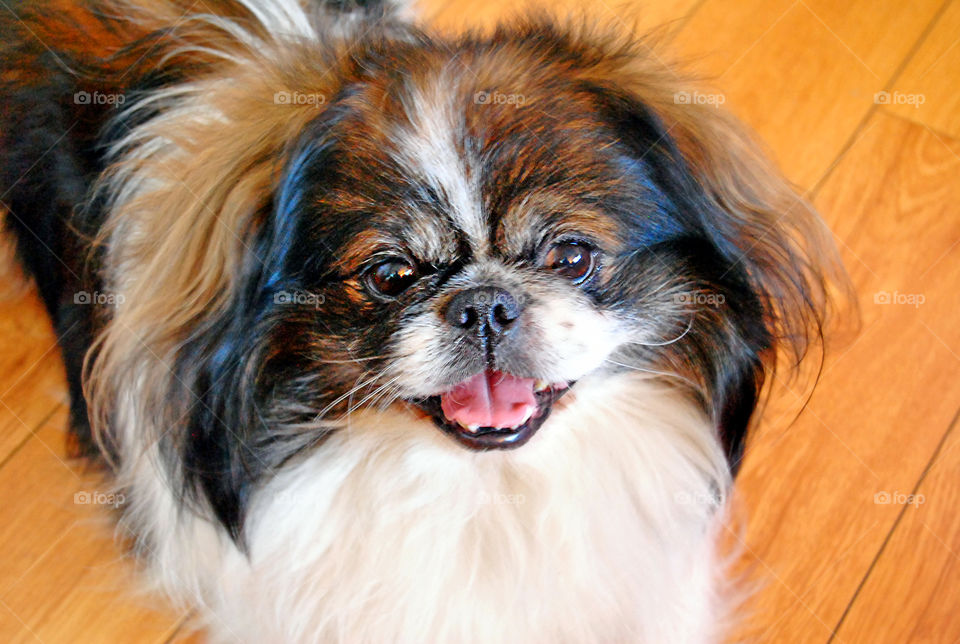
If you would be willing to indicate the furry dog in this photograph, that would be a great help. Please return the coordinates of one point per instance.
(388, 336)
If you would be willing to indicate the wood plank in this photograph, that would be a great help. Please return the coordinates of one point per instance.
(802, 73)
(874, 420)
(911, 594)
(32, 382)
(926, 91)
(62, 579)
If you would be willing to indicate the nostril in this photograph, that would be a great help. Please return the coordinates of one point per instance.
(467, 317)
(504, 315)
(462, 313)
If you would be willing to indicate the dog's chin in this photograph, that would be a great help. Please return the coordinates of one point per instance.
(493, 410)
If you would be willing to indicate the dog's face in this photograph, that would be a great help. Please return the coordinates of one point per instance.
(469, 229)
(477, 257)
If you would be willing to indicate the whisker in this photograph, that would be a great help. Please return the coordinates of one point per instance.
(665, 374)
(663, 344)
(374, 393)
(387, 398)
(349, 394)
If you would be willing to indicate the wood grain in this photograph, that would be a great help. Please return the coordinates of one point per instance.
(928, 91)
(802, 74)
(872, 424)
(62, 578)
(31, 373)
(920, 564)
(911, 594)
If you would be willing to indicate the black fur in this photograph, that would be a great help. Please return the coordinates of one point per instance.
(49, 160)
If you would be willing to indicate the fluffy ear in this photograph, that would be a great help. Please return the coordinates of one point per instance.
(225, 368)
(762, 246)
(191, 239)
(769, 229)
(767, 251)
(775, 241)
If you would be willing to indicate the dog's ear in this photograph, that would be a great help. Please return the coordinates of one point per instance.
(772, 257)
(765, 225)
(203, 208)
(775, 240)
(222, 449)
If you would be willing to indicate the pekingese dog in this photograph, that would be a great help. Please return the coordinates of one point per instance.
(394, 337)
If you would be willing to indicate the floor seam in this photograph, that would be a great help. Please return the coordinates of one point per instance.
(906, 506)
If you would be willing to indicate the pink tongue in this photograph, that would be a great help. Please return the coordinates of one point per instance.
(490, 399)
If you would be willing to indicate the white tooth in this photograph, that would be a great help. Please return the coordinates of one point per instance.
(526, 417)
(540, 385)
(473, 428)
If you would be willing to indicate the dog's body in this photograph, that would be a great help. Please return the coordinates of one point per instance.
(269, 396)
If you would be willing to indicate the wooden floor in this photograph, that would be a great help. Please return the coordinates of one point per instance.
(853, 523)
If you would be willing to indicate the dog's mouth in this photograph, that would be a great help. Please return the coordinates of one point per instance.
(493, 410)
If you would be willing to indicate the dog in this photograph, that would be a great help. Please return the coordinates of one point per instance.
(392, 336)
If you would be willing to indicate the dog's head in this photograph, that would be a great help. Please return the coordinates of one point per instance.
(463, 228)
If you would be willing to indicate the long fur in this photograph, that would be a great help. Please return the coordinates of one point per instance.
(277, 475)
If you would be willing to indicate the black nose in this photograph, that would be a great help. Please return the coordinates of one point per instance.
(487, 309)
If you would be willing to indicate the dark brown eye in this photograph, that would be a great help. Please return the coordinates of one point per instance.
(572, 260)
(392, 277)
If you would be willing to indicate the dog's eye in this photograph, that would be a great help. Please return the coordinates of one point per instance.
(572, 260)
(391, 277)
